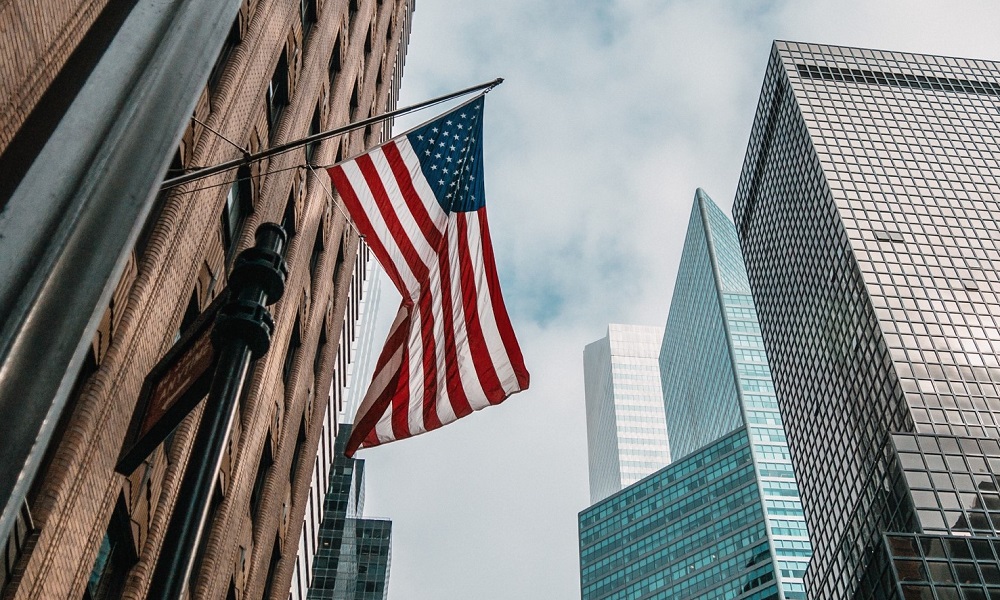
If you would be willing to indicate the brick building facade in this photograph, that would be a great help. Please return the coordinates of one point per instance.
(288, 68)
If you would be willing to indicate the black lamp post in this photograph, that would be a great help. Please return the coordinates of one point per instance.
(242, 335)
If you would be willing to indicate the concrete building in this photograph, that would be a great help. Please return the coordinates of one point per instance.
(626, 431)
(868, 217)
(286, 68)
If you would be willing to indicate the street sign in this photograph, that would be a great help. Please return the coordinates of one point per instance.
(172, 389)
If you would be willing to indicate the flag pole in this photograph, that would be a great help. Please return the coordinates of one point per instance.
(287, 146)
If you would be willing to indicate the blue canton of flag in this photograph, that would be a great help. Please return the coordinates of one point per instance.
(451, 157)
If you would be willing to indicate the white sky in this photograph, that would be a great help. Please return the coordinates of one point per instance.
(612, 113)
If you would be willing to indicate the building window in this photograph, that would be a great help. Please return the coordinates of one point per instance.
(191, 313)
(288, 219)
(115, 557)
(293, 346)
(355, 99)
(313, 130)
(257, 493)
(299, 444)
(238, 205)
(335, 64)
(320, 347)
(317, 252)
(272, 569)
(307, 10)
(277, 92)
(232, 40)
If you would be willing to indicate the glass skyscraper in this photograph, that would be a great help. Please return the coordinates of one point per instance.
(352, 559)
(868, 215)
(626, 431)
(724, 520)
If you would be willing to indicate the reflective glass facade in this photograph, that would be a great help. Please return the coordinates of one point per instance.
(352, 558)
(868, 217)
(626, 430)
(694, 529)
(724, 520)
(716, 376)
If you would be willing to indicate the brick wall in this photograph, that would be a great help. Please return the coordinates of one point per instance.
(180, 257)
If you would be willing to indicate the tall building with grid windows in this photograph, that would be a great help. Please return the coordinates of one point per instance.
(352, 559)
(868, 216)
(724, 519)
(191, 83)
(626, 430)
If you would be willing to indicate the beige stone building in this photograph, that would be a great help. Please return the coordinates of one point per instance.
(287, 69)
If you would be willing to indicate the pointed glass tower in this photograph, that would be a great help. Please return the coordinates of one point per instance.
(724, 519)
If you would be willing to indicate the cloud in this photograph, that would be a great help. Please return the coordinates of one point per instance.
(612, 114)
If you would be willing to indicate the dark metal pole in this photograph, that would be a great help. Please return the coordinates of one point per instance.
(249, 158)
(242, 334)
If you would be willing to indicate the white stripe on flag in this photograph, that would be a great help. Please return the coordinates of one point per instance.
(357, 180)
(487, 318)
(466, 360)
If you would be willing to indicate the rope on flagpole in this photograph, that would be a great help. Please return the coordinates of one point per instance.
(339, 206)
(288, 146)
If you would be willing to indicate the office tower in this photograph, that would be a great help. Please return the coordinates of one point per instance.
(352, 561)
(283, 69)
(626, 431)
(724, 519)
(868, 217)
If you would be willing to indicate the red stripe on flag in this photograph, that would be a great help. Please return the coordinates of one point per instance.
(410, 195)
(430, 416)
(499, 309)
(485, 370)
(456, 392)
(363, 431)
(395, 226)
(400, 400)
(339, 179)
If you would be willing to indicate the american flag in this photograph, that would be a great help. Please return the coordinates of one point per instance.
(419, 201)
